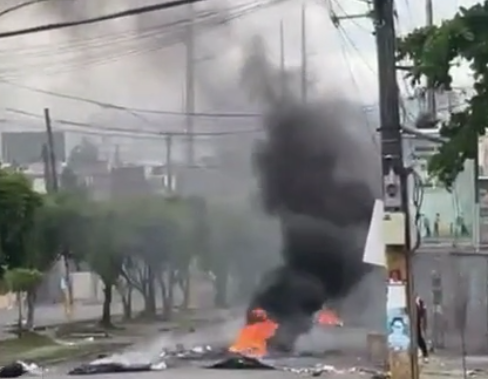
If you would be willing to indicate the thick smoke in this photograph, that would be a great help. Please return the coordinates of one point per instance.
(324, 211)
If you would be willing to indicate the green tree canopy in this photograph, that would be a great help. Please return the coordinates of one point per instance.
(18, 204)
(433, 52)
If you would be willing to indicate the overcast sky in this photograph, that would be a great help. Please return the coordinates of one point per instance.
(120, 61)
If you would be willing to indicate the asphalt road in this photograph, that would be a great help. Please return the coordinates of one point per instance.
(199, 373)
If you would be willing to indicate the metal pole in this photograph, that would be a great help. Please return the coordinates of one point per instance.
(190, 85)
(437, 325)
(402, 356)
(68, 291)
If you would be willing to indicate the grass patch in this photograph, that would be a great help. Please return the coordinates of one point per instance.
(27, 341)
(43, 350)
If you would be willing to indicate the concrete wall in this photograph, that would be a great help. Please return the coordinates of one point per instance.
(454, 268)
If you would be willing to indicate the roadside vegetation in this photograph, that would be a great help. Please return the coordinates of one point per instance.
(435, 54)
(147, 244)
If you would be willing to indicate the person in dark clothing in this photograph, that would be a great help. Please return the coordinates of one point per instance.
(422, 327)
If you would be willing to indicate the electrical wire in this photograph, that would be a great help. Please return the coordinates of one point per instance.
(374, 140)
(352, 20)
(134, 133)
(156, 40)
(20, 6)
(93, 20)
(137, 110)
(202, 19)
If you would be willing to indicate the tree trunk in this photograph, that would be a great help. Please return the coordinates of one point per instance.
(20, 325)
(221, 282)
(186, 289)
(167, 293)
(31, 305)
(150, 298)
(125, 292)
(106, 320)
(127, 303)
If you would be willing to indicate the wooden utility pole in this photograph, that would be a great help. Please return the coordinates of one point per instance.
(190, 86)
(401, 335)
(67, 287)
(304, 76)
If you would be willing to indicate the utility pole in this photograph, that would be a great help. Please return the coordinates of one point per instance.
(169, 163)
(282, 59)
(190, 85)
(48, 176)
(51, 150)
(304, 77)
(403, 361)
(66, 285)
(436, 278)
(431, 100)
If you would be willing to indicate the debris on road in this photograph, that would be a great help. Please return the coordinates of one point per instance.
(108, 368)
(19, 368)
(241, 362)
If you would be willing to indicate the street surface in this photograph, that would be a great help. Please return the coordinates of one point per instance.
(200, 373)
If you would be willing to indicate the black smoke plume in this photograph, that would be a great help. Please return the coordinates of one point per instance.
(324, 212)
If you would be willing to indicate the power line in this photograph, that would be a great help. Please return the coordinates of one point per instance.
(374, 140)
(134, 133)
(207, 19)
(93, 20)
(123, 108)
(20, 6)
(159, 41)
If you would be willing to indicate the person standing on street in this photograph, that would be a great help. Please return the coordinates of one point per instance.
(421, 326)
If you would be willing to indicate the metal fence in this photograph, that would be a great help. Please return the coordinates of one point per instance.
(448, 281)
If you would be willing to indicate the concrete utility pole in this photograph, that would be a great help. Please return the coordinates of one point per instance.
(169, 163)
(66, 287)
(282, 59)
(304, 77)
(190, 85)
(436, 279)
(51, 151)
(403, 359)
(431, 100)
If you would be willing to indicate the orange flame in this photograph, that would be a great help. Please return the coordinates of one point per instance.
(252, 338)
(327, 317)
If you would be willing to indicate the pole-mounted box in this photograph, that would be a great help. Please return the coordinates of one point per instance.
(394, 228)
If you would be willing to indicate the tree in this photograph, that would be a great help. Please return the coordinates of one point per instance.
(71, 183)
(160, 250)
(42, 250)
(85, 154)
(20, 281)
(433, 52)
(104, 254)
(19, 204)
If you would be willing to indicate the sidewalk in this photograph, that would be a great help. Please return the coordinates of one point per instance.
(52, 315)
(452, 367)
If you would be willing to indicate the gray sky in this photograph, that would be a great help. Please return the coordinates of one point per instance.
(122, 61)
